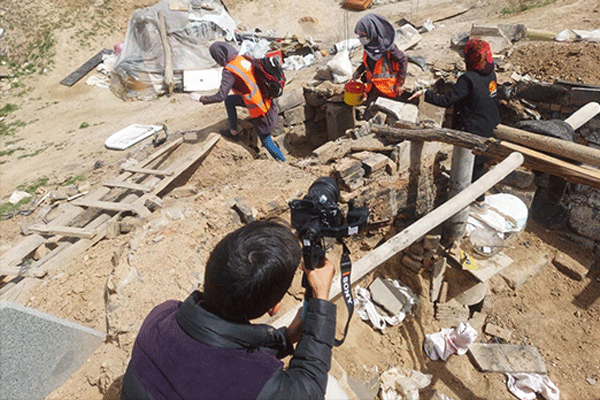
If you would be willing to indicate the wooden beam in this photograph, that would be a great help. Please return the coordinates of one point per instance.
(555, 146)
(162, 25)
(112, 206)
(419, 228)
(147, 171)
(62, 231)
(128, 185)
(496, 149)
(541, 162)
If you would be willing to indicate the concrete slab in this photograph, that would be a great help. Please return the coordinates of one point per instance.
(507, 358)
(38, 352)
(521, 272)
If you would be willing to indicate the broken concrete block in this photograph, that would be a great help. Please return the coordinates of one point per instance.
(244, 210)
(585, 220)
(451, 314)
(570, 267)
(289, 99)
(153, 203)
(401, 156)
(398, 110)
(184, 191)
(437, 277)
(384, 293)
(477, 320)
(494, 36)
(521, 178)
(348, 167)
(431, 242)
(40, 252)
(507, 358)
(174, 214)
(411, 263)
(129, 224)
(519, 273)
(295, 116)
(514, 32)
(374, 163)
(39, 352)
(340, 117)
(495, 330)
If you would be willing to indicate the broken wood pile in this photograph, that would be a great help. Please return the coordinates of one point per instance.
(58, 237)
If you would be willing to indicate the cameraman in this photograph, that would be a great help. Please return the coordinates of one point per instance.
(206, 347)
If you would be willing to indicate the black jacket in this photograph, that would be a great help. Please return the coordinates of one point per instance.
(475, 103)
(184, 352)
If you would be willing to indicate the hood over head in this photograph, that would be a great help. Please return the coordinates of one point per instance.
(380, 32)
(222, 52)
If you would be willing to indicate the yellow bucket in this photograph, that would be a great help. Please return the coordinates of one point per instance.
(354, 93)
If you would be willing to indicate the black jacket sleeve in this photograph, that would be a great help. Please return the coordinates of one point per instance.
(306, 377)
(459, 91)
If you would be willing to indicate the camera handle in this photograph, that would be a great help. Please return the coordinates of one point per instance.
(345, 281)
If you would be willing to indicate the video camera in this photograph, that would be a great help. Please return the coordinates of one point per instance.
(318, 215)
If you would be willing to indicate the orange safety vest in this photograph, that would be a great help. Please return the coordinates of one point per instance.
(384, 76)
(242, 67)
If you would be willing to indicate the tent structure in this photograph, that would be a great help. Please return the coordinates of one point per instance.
(166, 39)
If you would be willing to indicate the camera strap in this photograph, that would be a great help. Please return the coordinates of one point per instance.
(345, 281)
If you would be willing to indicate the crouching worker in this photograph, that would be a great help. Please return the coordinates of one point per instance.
(384, 63)
(238, 76)
(206, 347)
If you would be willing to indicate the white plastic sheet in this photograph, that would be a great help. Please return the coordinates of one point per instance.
(341, 67)
(441, 345)
(525, 386)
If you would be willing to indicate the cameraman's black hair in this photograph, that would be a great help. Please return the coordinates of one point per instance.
(250, 270)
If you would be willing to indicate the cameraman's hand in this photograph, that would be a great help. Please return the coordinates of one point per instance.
(320, 279)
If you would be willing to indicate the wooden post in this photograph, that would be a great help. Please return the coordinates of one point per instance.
(460, 178)
(419, 228)
(169, 81)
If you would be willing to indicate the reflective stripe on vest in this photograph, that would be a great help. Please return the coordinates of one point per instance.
(253, 100)
(384, 76)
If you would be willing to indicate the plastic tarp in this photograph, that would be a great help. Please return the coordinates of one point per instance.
(191, 27)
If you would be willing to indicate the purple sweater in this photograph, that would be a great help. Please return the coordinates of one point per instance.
(172, 360)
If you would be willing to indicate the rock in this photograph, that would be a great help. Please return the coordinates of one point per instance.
(521, 178)
(519, 273)
(431, 242)
(570, 267)
(17, 196)
(244, 210)
(399, 111)
(494, 330)
(289, 99)
(184, 191)
(384, 293)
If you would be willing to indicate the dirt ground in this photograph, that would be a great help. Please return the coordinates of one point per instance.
(59, 133)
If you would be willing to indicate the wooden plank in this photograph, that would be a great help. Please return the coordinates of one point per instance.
(438, 13)
(162, 26)
(507, 358)
(489, 267)
(147, 171)
(62, 231)
(86, 67)
(128, 185)
(14, 256)
(541, 162)
(557, 147)
(181, 165)
(112, 206)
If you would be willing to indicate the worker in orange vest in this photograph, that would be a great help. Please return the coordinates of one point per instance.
(238, 76)
(383, 62)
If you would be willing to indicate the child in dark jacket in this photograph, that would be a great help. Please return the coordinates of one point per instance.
(474, 97)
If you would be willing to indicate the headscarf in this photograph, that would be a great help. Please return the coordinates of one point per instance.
(222, 52)
(478, 57)
(380, 32)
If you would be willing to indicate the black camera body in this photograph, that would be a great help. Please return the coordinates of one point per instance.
(318, 215)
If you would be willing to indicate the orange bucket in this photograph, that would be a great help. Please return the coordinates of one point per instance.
(354, 93)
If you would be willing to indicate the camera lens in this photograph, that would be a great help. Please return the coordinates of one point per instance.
(325, 186)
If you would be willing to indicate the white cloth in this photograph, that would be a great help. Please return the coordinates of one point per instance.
(441, 345)
(525, 386)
